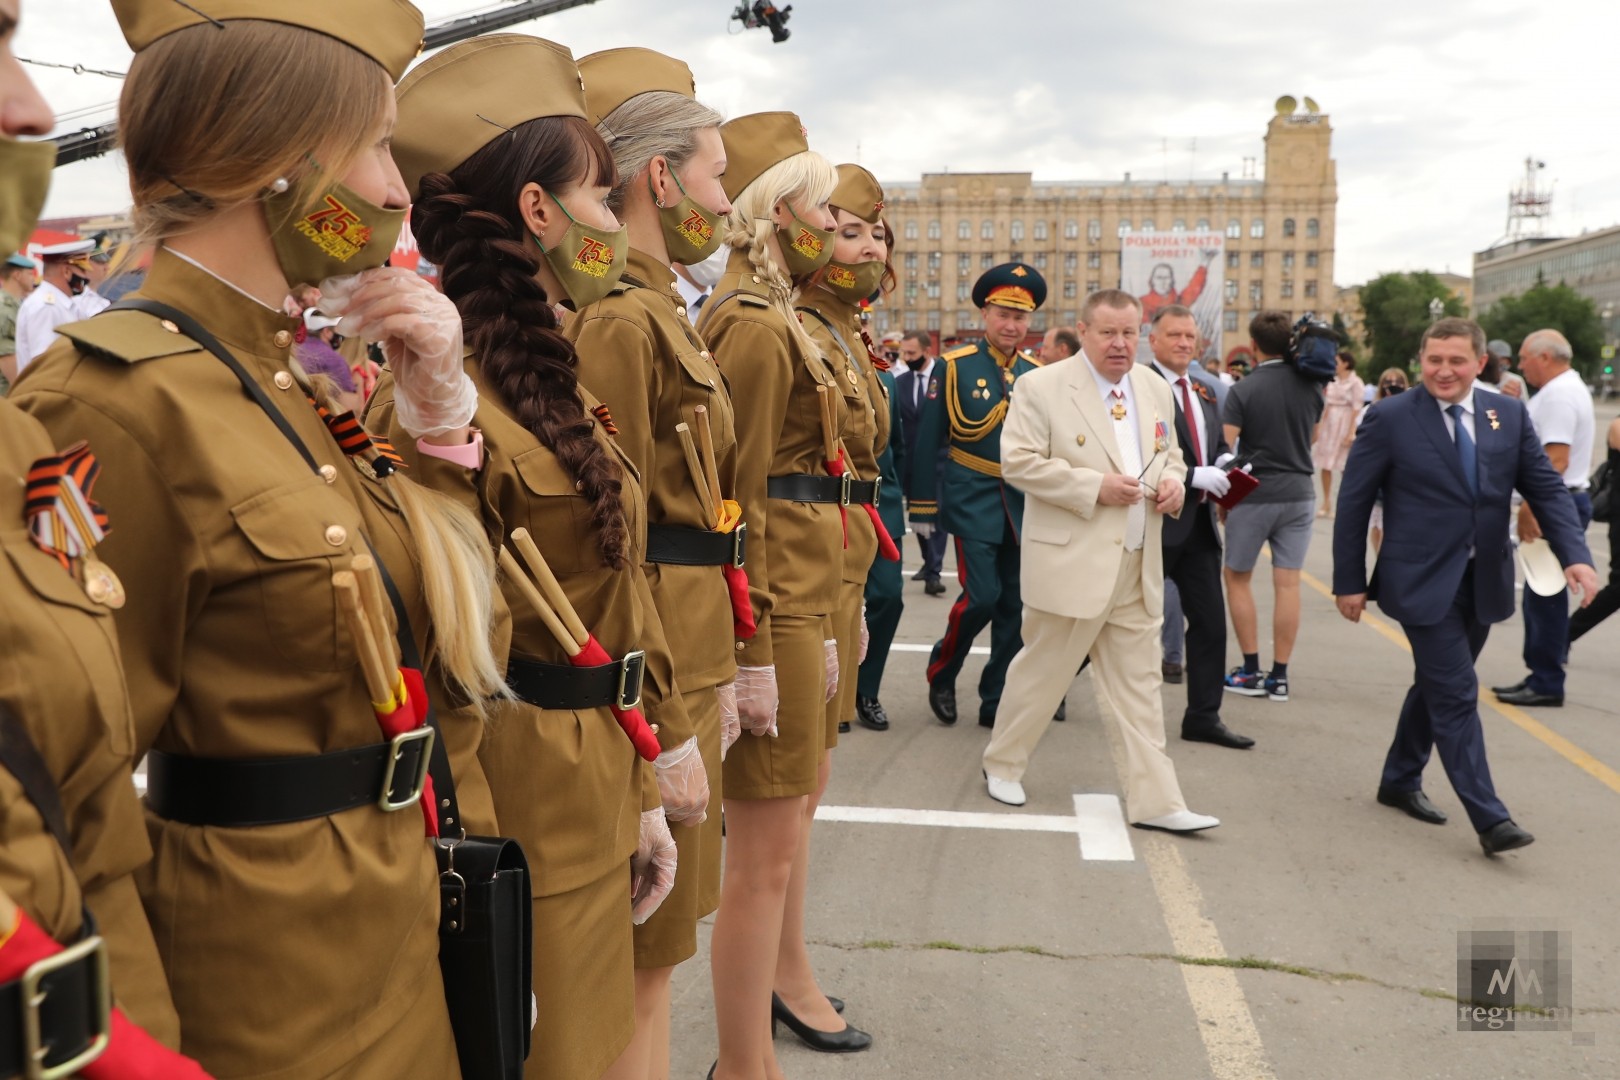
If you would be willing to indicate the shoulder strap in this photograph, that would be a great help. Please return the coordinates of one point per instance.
(836, 336)
(22, 759)
(439, 763)
(712, 304)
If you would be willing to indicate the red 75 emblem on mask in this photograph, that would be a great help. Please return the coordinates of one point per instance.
(594, 251)
(335, 218)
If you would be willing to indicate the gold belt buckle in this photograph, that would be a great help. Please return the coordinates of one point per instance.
(631, 669)
(844, 490)
(396, 750)
(34, 1048)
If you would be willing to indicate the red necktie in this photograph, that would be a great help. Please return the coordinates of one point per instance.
(1192, 427)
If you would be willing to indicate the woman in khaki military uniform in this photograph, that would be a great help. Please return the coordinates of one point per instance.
(638, 350)
(829, 300)
(508, 180)
(779, 227)
(297, 920)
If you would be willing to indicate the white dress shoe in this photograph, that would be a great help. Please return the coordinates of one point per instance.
(1180, 821)
(1010, 792)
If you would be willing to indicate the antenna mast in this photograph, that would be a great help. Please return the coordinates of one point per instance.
(1529, 205)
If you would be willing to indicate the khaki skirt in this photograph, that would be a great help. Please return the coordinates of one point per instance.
(845, 624)
(762, 767)
(584, 981)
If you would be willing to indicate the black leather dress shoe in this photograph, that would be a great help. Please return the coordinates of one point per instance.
(843, 727)
(848, 1041)
(1522, 684)
(1528, 696)
(1414, 803)
(920, 575)
(1219, 734)
(935, 587)
(869, 711)
(1062, 713)
(836, 1003)
(1504, 836)
(1171, 672)
(942, 699)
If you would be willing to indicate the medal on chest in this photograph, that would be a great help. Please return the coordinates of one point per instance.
(1118, 411)
(66, 523)
(1161, 436)
(1490, 414)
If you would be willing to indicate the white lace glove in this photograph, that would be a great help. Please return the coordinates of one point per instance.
(757, 699)
(866, 637)
(1209, 478)
(730, 725)
(652, 867)
(923, 529)
(420, 333)
(831, 649)
(683, 785)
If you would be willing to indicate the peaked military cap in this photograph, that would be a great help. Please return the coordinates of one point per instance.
(756, 142)
(614, 76)
(471, 94)
(859, 193)
(70, 249)
(1011, 285)
(388, 31)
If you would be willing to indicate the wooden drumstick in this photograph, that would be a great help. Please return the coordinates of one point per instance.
(549, 587)
(379, 683)
(510, 567)
(711, 463)
(377, 606)
(695, 467)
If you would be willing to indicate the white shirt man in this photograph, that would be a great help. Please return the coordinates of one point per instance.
(50, 305)
(1562, 413)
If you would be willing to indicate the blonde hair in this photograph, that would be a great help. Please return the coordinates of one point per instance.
(207, 121)
(805, 179)
(650, 124)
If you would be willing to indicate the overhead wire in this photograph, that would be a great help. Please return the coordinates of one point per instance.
(77, 69)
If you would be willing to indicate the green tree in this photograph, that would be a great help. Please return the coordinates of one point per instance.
(1549, 307)
(1396, 308)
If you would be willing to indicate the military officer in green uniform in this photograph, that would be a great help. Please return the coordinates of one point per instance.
(956, 484)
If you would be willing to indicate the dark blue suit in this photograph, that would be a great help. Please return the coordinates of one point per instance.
(1444, 600)
(906, 395)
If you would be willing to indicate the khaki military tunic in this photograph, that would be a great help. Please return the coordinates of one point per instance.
(298, 950)
(639, 354)
(60, 677)
(795, 550)
(567, 784)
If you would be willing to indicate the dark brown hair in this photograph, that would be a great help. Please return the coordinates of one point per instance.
(1451, 327)
(468, 223)
(1271, 333)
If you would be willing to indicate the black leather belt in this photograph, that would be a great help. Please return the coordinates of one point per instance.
(56, 1019)
(802, 487)
(696, 547)
(239, 792)
(559, 686)
(866, 491)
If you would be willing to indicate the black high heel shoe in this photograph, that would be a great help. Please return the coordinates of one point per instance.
(713, 1067)
(836, 1003)
(850, 1040)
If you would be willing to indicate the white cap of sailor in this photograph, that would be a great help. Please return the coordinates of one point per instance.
(72, 249)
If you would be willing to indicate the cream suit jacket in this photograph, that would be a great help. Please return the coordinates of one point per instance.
(1056, 446)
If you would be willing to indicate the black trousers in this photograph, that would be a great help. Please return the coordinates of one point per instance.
(1607, 601)
(1195, 567)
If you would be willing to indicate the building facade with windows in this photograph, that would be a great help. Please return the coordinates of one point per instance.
(1278, 231)
(1589, 264)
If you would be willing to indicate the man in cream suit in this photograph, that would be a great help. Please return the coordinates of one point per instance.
(1092, 445)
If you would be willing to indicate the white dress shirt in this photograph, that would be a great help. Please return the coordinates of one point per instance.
(1195, 419)
(41, 312)
(1129, 438)
(919, 387)
(1467, 419)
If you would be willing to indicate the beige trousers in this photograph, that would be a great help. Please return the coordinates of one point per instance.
(1123, 643)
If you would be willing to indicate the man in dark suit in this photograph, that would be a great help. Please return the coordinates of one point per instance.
(910, 385)
(1192, 544)
(1446, 458)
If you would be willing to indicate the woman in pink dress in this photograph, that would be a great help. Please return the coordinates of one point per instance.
(1337, 427)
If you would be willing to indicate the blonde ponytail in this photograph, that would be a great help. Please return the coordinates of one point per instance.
(805, 179)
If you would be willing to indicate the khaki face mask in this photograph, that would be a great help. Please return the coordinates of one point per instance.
(25, 177)
(691, 233)
(853, 282)
(339, 233)
(805, 248)
(588, 262)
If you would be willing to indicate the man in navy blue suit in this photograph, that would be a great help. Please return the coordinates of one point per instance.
(909, 386)
(1446, 458)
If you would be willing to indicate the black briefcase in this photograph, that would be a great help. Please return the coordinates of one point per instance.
(486, 949)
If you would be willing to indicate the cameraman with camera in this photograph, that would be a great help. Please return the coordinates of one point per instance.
(1270, 419)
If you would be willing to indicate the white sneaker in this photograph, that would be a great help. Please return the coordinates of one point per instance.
(1010, 792)
(1182, 821)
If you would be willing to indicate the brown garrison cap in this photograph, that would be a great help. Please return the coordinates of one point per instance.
(858, 192)
(614, 76)
(456, 103)
(388, 31)
(756, 142)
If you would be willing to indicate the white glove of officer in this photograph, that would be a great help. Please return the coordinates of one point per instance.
(683, 786)
(831, 649)
(757, 698)
(1224, 460)
(1209, 478)
(923, 529)
(730, 725)
(652, 867)
(420, 333)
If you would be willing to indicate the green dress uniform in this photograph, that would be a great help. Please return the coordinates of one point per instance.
(885, 595)
(956, 481)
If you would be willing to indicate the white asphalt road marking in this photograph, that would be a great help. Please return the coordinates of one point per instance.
(900, 646)
(1098, 823)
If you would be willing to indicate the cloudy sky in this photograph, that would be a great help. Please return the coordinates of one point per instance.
(1434, 103)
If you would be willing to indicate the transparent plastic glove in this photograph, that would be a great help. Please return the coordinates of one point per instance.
(866, 637)
(419, 330)
(923, 529)
(683, 786)
(730, 725)
(652, 867)
(831, 649)
(757, 699)
(1209, 478)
